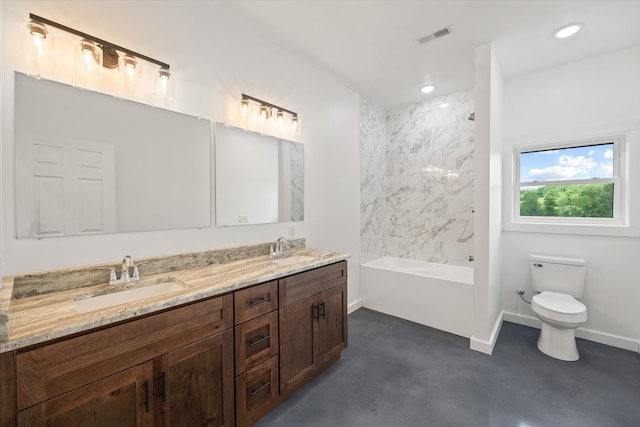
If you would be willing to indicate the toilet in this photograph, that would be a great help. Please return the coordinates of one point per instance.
(559, 281)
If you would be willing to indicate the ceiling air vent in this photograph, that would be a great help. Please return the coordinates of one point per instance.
(435, 35)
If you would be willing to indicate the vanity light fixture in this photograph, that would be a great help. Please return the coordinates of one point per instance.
(92, 55)
(271, 113)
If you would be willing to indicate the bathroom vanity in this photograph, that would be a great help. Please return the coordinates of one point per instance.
(223, 352)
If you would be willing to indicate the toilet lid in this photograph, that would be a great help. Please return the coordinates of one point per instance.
(559, 303)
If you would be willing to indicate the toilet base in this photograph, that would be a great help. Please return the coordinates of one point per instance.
(558, 343)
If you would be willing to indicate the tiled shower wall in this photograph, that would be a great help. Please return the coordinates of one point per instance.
(417, 181)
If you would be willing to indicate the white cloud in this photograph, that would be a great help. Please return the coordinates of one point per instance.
(574, 167)
(577, 161)
(556, 172)
(605, 170)
(592, 152)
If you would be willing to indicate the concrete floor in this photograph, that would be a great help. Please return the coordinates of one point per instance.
(399, 374)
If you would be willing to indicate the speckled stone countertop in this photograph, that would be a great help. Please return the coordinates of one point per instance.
(41, 317)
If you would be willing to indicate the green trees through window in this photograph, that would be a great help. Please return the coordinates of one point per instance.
(583, 200)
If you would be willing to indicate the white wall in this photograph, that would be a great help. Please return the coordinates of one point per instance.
(215, 56)
(596, 96)
(487, 200)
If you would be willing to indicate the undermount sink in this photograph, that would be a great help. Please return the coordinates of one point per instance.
(122, 297)
(294, 259)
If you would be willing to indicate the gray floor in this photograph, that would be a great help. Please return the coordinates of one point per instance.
(398, 373)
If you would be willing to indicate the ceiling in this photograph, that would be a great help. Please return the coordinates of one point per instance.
(370, 46)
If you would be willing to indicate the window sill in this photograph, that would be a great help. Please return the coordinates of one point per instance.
(581, 229)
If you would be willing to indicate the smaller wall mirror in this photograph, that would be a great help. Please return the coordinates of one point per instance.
(259, 178)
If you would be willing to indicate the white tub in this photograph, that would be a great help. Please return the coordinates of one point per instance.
(435, 295)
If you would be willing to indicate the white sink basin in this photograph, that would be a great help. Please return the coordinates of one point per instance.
(116, 298)
(292, 259)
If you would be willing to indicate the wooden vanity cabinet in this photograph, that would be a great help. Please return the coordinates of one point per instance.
(313, 323)
(171, 368)
(221, 361)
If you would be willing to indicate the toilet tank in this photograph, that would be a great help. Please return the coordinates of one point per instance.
(558, 274)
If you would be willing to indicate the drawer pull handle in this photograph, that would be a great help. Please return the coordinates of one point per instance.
(322, 310)
(258, 341)
(163, 382)
(145, 400)
(259, 301)
(259, 389)
(316, 312)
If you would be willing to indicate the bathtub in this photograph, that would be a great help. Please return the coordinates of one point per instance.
(435, 295)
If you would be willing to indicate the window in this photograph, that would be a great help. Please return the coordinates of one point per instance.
(577, 183)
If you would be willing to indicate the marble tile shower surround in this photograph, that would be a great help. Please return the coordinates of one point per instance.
(427, 187)
(373, 164)
(27, 285)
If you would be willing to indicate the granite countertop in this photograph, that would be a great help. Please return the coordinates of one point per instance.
(35, 319)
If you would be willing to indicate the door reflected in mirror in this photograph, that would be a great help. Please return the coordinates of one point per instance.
(89, 163)
(259, 178)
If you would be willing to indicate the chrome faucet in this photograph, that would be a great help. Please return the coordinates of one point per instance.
(280, 247)
(128, 272)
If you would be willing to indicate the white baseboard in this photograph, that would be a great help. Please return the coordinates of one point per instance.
(354, 306)
(487, 347)
(587, 334)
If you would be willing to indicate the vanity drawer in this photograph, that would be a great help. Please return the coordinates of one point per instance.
(255, 301)
(303, 285)
(57, 368)
(256, 340)
(256, 392)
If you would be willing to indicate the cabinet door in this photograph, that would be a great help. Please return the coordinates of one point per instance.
(298, 331)
(195, 384)
(332, 327)
(122, 399)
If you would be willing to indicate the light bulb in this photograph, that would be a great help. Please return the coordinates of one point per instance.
(129, 71)
(295, 126)
(38, 33)
(37, 47)
(264, 112)
(89, 60)
(165, 85)
(244, 107)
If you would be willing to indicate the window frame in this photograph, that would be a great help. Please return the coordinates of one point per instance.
(578, 225)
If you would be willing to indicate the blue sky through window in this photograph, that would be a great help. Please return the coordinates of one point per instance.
(592, 161)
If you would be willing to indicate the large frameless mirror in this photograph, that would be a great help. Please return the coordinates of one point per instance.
(89, 163)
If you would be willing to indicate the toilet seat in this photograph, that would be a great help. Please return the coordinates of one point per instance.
(559, 307)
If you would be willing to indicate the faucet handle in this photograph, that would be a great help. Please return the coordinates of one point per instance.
(136, 273)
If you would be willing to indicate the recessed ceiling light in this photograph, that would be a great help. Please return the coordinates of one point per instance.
(427, 89)
(567, 31)
(444, 105)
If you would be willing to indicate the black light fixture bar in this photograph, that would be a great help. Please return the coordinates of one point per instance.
(104, 43)
(268, 104)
